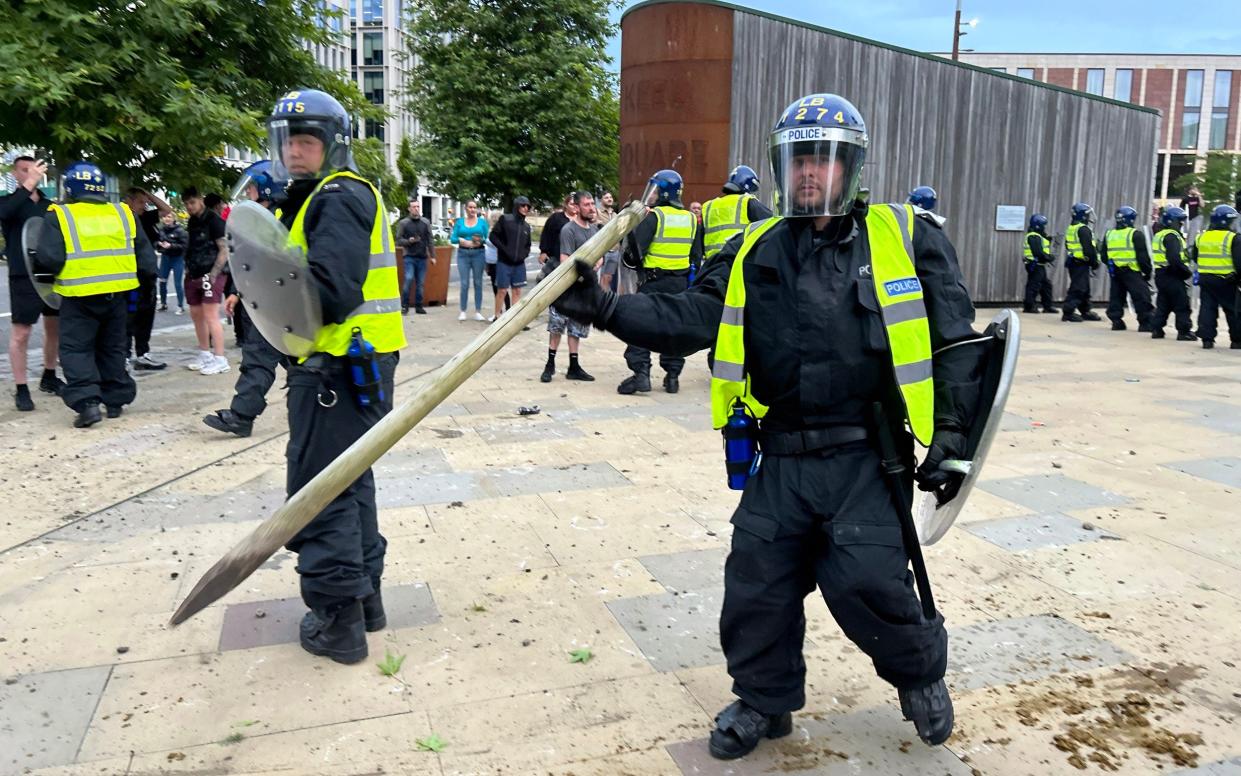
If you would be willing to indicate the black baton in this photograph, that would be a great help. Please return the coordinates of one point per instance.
(893, 471)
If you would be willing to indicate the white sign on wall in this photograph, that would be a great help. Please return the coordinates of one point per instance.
(1010, 218)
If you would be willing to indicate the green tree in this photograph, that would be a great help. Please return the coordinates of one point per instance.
(372, 164)
(406, 168)
(153, 91)
(1219, 180)
(514, 97)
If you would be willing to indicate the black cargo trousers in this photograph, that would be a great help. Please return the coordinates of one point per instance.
(340, 554)
(828, 519)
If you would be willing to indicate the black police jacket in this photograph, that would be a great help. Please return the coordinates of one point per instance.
(338, 237)
(816, 348)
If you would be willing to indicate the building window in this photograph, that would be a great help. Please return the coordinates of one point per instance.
(372, 48)
(1094, 81)
(1122, 88)
(373, 87)
(375, 129)
(372, 11)
(1219, 109)
(1191, 117)
(1000, 69)
(1025, 72)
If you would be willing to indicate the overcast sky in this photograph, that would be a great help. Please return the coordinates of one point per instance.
(1138, 26)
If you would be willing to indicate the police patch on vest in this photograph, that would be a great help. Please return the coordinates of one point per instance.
(902, 286)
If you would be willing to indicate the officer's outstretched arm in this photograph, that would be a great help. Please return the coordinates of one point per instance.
(951, 315)
(677, 324)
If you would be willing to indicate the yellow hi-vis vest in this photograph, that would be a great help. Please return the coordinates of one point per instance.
(1120, 250)
(1158, 257)
(99, 249)
(379, 315)
(1025, 246)
(889, 231)
(1215, 252)
(722, 218)
(674, 239)
(1073, 242)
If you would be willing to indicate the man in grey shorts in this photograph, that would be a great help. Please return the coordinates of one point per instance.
(581, 227)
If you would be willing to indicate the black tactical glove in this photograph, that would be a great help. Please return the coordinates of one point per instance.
(946, 444)
(586, 301)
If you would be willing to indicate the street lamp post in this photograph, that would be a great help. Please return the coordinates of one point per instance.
(957, 32)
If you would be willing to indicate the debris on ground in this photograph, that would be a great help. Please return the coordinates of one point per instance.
(532, 410)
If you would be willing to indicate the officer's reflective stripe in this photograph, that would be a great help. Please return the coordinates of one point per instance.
(672, 244)
(1120, 250)
(1215, 252)
(736, 223)
(718, 226)
(729, 383)
(376, 306)
(900, 312)
(96, 279)
(1029, 254)
(727, 370)
(913, 373)
(1159, 256)
(1073, 241)
(733, 316)
(904, 217)
(99, 251)
(379, 315)
(72, 225)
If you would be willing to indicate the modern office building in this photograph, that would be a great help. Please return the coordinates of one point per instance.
(1197, 96)
(379, 63)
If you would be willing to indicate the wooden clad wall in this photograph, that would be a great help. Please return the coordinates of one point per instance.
(979, 138)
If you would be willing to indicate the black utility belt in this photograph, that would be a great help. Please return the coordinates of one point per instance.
(656, 272)
(809, 440)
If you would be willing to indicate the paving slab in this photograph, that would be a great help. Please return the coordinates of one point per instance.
(1226, 471)
(263, 623)
(44, 717)
(1229, 767)
(685, 571)
(674, 630)
(1220, 416)
(1023, 649)
(870, 741)
(1047, 493)
(1033, 532)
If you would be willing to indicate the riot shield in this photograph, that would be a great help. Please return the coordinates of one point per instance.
(274, 281)
(935, 512)
(42, 281)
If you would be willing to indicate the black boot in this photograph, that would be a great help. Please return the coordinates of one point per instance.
(373, 612)
(50, 383)
(1033, 310)
(1208, 344)
(672, 383)
(1157, 334)
(87, 416)
(638, 382)
(1051, 310)
(1186, 337)
(549, 371)
(230, 423)
(339, 633)
(1118, 326)
(115, 411)
(930, 709)
(22, 397)
(1072, 318)
(739, 728)
(1144, 328)
(1090, 316)
(576, 372)
(1234, 346)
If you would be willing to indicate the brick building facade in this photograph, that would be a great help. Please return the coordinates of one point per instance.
(1198, 97)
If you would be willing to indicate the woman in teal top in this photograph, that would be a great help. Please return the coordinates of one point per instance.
(469, 234)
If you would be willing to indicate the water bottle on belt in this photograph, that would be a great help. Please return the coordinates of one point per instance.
(364, 371)
(740, 447)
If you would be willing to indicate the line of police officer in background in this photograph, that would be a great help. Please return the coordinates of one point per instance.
(1213, 263)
